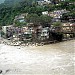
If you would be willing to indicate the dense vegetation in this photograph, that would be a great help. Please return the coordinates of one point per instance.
(10, 8)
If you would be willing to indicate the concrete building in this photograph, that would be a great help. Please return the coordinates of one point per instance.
(4, 28)
(45, 13)
(57, 14)
(21, 17)
(43, 2)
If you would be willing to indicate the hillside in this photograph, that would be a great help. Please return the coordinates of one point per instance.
(14, 2)
(10, 8)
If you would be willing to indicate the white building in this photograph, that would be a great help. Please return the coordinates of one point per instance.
(44, 2)
(47, 1)
(45, 13)
(44, 33)
(4, 28)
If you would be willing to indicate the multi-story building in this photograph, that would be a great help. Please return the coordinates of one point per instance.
(57, 14)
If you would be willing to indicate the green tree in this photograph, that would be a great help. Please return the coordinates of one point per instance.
(56, 24)
(39, 10)
(45, 20)
(33, 18)
(19, 24)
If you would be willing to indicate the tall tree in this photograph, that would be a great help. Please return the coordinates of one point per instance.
(45, 20)
(33, 18)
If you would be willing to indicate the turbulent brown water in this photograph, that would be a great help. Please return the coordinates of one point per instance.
(53, 59)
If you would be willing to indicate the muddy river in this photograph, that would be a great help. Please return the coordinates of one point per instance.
(53, 59)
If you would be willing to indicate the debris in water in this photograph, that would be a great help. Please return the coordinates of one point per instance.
(0, 71)
(7, 70)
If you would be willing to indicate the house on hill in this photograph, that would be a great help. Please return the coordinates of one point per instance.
(20, 18)
(45, 13)
(57, 14)
(43, 2)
